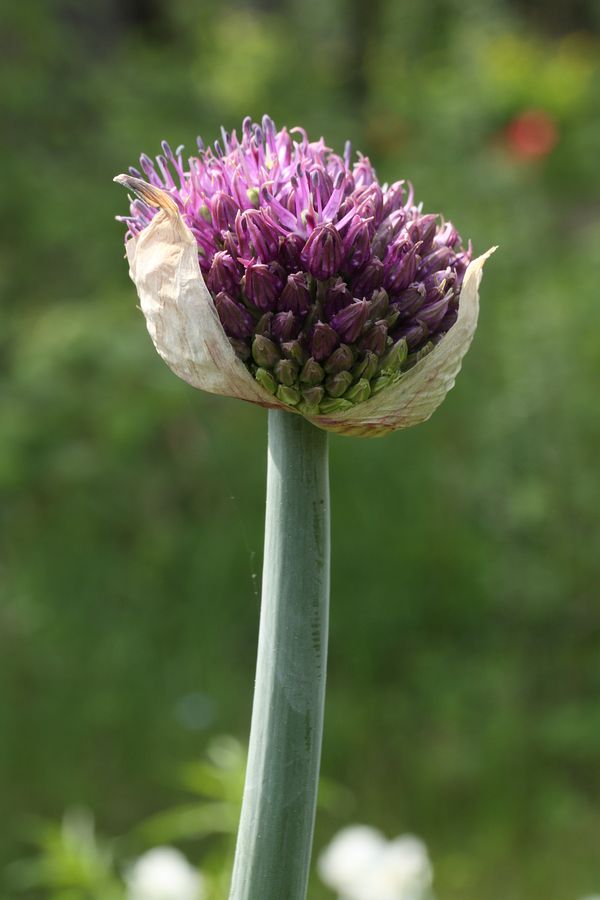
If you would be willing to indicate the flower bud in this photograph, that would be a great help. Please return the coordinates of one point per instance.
(263, 326)
(340, 359)
(237, 321)
(411, 299)
(295, 296)
(379, 383)
(334, 404)
(367, 366)
(313, 395)
(295, 350)
(413, 358)
(286, 371)
(338, 384)
(423, 231)
(290, 249)
(323, 252)
(349, 322)
(337, 298)
(378, 305)
(260, 286)
(266, 380)
(257, 234)
(394, 358)
(368, 279)
(375, 338)
(224, 210)
(264, 352)
(284, 327)
(224, 273)
(242, 350)
(432, 314)
(401, 266)
(436, 260)
(359, 391)
(289, 395)
(414, 333)
(324, 340)
(438, 283)
(312, 373)
(357, 245)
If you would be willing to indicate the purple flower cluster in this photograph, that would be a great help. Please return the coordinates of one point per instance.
(327, 283)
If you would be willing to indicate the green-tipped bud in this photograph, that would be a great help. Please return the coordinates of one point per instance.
(413, 358)
(264, 352)
(313, 395)
(308, 409)
(288, 395)
(359, 391)
(263, 326)
(392, 317)
(394, 358)
(294, 350)
(312, 372)
(378, 384)
(338, 384)
(252, 195)
(331, 405)
(340, 360)
(367, 366)
(379, 304)
(205, 213)
(266, 379)
(286, 371)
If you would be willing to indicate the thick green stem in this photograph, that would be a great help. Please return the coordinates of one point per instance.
(276, 827)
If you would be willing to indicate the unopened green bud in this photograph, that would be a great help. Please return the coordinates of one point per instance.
(338, 384)
(331, 405)
(264, 352)
(379, 304)
(312, 372)
(340, 359)
(288, 395)
(307, 409)
(367, 367)
(394, 358)
(359, 391)
(266, 379)
(295, 350)
(313, 395)
(378, 384)
(263, 326)
(205, 213)
(286, 371)
(413, 358)
(252, 195)
(392, 317)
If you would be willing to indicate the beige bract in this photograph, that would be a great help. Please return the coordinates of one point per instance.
(184, 325)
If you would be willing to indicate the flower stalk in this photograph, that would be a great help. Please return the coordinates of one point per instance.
(276, 828)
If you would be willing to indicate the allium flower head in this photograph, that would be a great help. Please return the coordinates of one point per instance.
(272, 269)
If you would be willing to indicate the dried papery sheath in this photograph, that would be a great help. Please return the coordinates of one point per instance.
(273, 249)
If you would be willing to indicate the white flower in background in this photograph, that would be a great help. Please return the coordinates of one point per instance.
(164, 874)
(360, 864)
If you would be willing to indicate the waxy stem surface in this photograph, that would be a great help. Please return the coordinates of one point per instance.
(276, 828)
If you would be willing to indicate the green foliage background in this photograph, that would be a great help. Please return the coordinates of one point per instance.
(464, 687)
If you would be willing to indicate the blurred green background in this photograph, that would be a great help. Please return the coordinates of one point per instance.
(464, 683)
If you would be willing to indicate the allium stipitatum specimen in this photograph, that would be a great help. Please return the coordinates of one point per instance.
(331, 288)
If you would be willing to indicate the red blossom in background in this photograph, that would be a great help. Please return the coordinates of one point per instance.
(531, 135)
